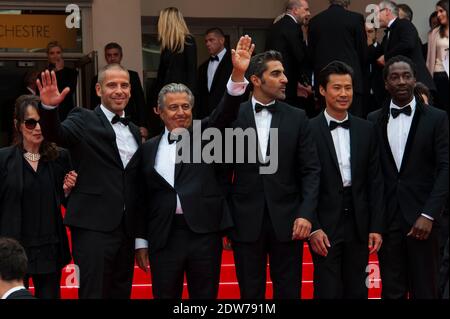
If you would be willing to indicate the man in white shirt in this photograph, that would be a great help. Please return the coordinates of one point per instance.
(272, 212)
(414, 146)
(13, 266)
(350, 211)
(101, 211)
(184, 212)
(213, 73)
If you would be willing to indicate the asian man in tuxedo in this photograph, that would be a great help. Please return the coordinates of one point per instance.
(350, 210)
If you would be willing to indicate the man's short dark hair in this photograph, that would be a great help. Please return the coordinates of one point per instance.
(114, 45)
(407, 10)
(258, 63)
(335, 67)
(396, 59)
(215, 30)
(13, 260)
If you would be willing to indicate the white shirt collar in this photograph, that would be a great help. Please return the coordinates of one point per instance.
(329, 118)
(221, 54)
(392, 21)
(109, 115)
(295, 19)
(11, 291)
(412, 104)
(254, 101)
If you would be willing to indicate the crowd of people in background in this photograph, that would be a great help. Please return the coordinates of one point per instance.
(363, 168)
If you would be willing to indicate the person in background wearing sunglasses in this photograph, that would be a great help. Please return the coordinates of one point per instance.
(35, 179)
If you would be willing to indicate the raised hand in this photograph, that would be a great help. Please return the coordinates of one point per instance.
(48, 89)
(241, 58)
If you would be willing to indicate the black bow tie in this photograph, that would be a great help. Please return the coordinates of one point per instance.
(271, 108)
(334, 125)
(386, 31)
(172, 138)
(405, 110)
(214, 58)
(123, 120)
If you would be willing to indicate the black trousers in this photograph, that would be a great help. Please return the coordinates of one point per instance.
(106, 263)
(285, 265)
(198, 256)
(342, 273)
(46, 286)
(409, 267)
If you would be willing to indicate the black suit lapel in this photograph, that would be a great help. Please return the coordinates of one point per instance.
(219, 69)
(325, 130)
(354, 142)
(137, 136)
(411, 135)
(275, 123)
(111, 135)
(153, 153)
(385, 116)
(250, 117)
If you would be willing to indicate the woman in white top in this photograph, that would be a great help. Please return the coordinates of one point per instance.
(438, 54)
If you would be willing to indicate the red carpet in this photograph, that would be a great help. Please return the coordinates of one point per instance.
(228, 283)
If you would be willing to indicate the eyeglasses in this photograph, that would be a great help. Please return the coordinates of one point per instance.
(31, 123)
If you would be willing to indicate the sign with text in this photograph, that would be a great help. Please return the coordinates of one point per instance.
(35, 31)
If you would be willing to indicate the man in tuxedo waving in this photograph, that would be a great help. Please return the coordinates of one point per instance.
(272, 213)
(184, 211)
(102, 207)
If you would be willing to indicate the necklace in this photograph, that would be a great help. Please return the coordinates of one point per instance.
(32, 157)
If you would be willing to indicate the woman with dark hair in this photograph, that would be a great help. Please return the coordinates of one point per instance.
(178, 62)
(35, 178)
(437, 52)
(423, 94)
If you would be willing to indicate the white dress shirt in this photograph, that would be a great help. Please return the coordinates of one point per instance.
(11, 291)
(212, 67)
(166, 155)
(263, 121)
(398, 131)
(125, 141)
(341, 141)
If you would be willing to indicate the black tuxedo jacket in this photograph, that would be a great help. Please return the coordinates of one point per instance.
(404, 40)
(136, 107)
(104, 187)
(421, 186)
(11, 187)
(286, 37)
(291, 192)
(21, 294)
(367, 179)
(339, 34)
(207, 100)
(202, 198)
